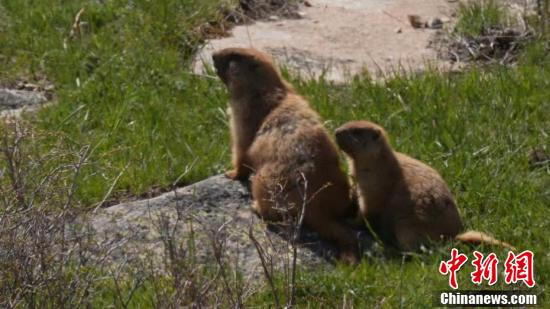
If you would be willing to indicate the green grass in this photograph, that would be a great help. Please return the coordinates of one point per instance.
(477, 16)
(125, 89)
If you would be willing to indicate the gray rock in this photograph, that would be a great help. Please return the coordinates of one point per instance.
(16, 99)
(209, 219)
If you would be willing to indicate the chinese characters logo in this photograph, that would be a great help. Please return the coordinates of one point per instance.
(516, 268)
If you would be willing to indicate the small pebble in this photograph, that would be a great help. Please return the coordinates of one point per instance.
(434, 23)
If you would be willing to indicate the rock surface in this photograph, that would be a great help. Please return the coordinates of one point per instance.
(213, 213)
(14, 101)
(343, 37)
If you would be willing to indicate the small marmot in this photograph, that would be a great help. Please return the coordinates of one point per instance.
(406, 202)
(276, 135)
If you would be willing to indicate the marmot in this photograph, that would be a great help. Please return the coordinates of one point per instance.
(276, 135)
(406, 202)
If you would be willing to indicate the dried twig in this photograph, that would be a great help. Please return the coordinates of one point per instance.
(496, 45)
(267, 272)
(75, 28)
(297, 233)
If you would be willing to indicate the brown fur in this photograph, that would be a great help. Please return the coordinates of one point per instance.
(275, 134)
(406, 201)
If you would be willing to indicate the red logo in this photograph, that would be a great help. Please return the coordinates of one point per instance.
(516, 267)
(452, 266)
(520, 268)
(485, 269)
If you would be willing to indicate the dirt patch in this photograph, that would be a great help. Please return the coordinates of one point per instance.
(539, 158)
(337, 39)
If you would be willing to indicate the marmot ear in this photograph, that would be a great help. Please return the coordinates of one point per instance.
(376, 134)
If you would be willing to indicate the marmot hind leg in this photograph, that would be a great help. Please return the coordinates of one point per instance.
(272, 200)
(275, 202)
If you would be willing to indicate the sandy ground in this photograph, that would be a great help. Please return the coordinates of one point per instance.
(343, 37)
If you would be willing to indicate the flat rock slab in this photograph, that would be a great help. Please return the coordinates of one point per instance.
(343, 37)
(214, 216)
(14, 101)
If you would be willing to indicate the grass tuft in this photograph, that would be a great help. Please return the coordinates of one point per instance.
(475, 17)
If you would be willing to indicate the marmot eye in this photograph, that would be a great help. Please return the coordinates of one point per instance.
(356, 133)
(254, 65)
(236, 59)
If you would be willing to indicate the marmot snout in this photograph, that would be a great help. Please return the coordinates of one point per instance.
(360, 138)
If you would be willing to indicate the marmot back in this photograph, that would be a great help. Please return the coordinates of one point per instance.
(277, 136)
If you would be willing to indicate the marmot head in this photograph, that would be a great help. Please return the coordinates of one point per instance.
(360, 139)
(245, 70)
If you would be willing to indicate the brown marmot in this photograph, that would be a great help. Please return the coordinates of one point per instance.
(276, 135)
(406, 202)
